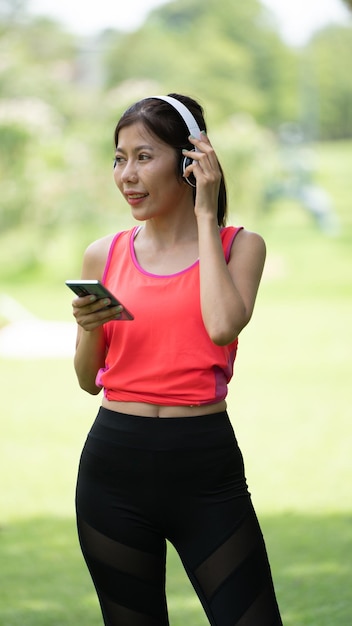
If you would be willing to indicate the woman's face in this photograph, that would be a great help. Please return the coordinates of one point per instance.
(146, 173)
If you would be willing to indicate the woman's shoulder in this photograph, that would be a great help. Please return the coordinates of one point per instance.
(95, 256)
(238, 238)
(248, 242)
(98, 248)
(244, 236)
(251, 238)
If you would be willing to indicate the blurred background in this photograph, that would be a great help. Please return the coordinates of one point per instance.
(276, 85)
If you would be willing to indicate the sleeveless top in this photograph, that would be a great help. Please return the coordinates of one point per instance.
(164, 356)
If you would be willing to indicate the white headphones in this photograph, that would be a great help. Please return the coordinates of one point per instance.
(191, 124)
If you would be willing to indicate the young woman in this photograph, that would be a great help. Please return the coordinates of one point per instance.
(161, 460)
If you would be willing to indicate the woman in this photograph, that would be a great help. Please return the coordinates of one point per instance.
(161, 460)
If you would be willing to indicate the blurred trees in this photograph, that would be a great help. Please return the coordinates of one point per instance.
(227, 54)
(60, 96)
(329, 83)
(44, 114)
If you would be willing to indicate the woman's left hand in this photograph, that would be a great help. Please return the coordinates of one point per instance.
(206, 170)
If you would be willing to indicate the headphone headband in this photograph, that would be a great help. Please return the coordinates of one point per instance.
(185, 113)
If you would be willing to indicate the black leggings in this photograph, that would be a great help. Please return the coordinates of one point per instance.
(144, 480)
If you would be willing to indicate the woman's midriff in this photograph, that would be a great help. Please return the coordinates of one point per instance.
(155, 410)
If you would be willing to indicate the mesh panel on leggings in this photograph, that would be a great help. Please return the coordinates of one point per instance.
(130, 583)
(117, 615)
(235, 581)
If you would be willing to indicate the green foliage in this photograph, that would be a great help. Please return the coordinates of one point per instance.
(60, 98)
(228, 49)
(326, 59)
(37, 60)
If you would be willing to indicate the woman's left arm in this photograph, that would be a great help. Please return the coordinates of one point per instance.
(227, 291)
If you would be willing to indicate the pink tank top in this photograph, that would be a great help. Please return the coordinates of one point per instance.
(164, 356)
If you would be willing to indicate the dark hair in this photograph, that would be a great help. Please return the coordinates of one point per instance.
(167, 124)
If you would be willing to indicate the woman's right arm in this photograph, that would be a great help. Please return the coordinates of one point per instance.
(90, 316)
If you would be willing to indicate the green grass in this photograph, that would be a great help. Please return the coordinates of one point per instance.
(290, 403)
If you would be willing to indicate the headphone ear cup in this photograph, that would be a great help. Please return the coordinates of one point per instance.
(185, 162)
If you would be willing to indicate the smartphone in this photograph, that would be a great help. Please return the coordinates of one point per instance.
(96, 288)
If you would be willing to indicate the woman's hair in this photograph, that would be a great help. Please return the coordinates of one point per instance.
(166, 123)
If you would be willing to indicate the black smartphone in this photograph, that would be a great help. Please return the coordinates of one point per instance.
(96, 288)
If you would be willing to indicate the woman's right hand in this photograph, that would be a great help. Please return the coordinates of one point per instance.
(90, 312)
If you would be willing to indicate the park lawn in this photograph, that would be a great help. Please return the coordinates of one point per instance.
(290, 405)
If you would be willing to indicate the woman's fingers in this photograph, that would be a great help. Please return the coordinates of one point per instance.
(205, 157)
(89, 315)
(204, 154)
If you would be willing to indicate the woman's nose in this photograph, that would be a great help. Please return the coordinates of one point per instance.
(129, 172)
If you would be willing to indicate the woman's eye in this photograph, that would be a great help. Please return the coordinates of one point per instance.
(144, 157)
(118, 159)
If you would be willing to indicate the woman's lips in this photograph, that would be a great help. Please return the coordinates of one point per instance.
(135, 197)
